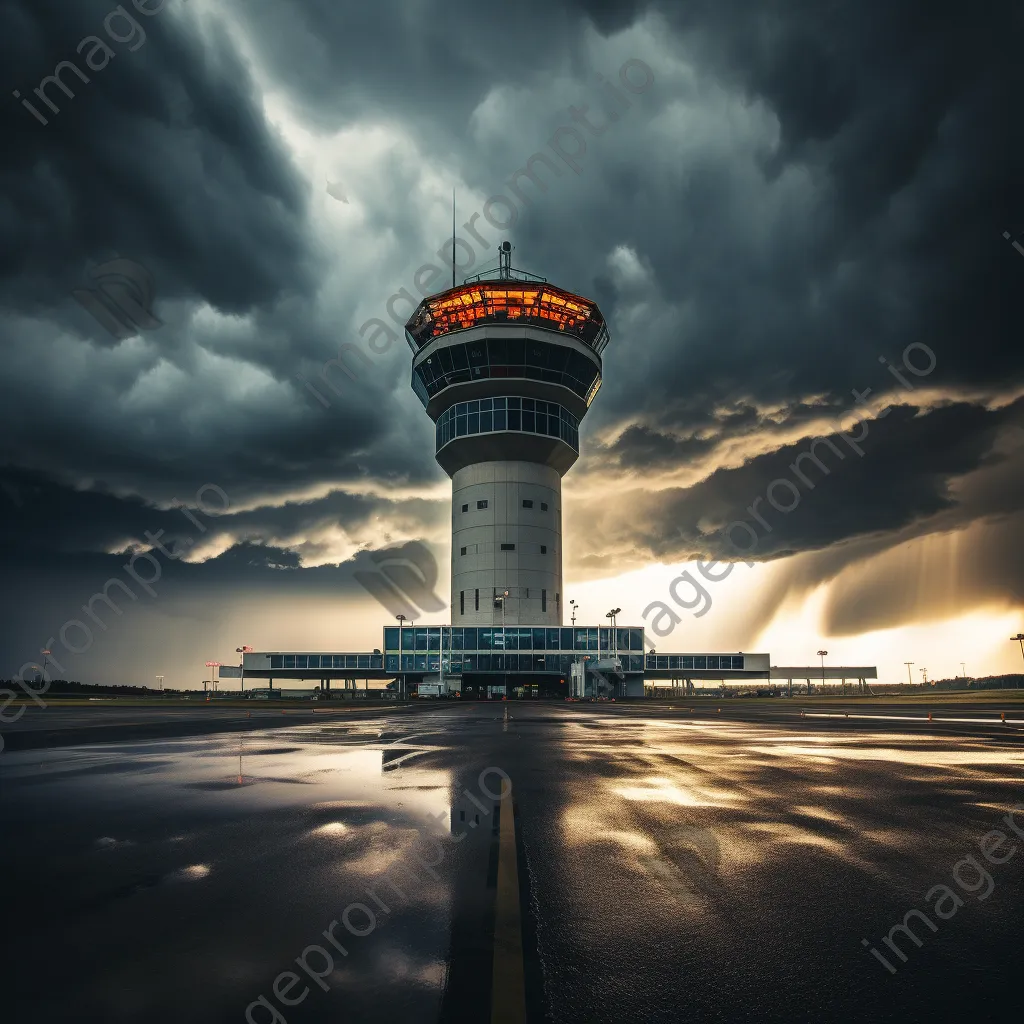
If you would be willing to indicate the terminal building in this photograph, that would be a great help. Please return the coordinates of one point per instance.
(507, 365)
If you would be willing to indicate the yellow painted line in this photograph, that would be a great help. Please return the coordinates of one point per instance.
(508, 987)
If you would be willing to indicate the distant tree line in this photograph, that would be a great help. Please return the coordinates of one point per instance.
(71, 687)
(1010, 681)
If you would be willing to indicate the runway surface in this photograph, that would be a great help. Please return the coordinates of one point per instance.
(648, 864)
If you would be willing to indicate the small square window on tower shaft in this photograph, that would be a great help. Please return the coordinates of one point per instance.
(543, 506)
(482, 504)
(527, 503)
(465, 508)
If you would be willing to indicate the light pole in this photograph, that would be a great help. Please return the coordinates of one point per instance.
(45, 653)
(963, 668)
(910, 678)
(574, 607)
(821, 654)
(401, 674)
(160, 682)
(1020, 639)
(615, 644)
(924, 676)
(242, 652)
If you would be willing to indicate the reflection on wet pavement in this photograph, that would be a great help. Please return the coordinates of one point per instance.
(706, 869)
(184, 875)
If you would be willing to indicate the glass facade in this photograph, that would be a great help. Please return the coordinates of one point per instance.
(327, 661)
(490, 415)
(696, 662)
(512, 357)
(508, 649)
(511, 638)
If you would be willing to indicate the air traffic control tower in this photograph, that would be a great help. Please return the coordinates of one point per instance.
(506, 366)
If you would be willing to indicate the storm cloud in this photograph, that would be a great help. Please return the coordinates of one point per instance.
(803, 190)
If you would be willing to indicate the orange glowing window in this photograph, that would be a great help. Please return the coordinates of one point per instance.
(462, 308)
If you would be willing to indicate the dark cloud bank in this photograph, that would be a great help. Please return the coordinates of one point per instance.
(806, 188)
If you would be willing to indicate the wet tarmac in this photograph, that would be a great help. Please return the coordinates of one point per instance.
(662, 865)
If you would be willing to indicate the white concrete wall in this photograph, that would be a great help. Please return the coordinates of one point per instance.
(525, 572)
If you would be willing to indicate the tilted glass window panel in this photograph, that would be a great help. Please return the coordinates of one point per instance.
(276, 661)
(713, 662)
(636, 639)
(408, 638)
(469, 642)
(516, 348)
(700, 663)
(497, 351)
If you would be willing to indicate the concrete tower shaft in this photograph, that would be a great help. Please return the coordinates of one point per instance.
(506, 367)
